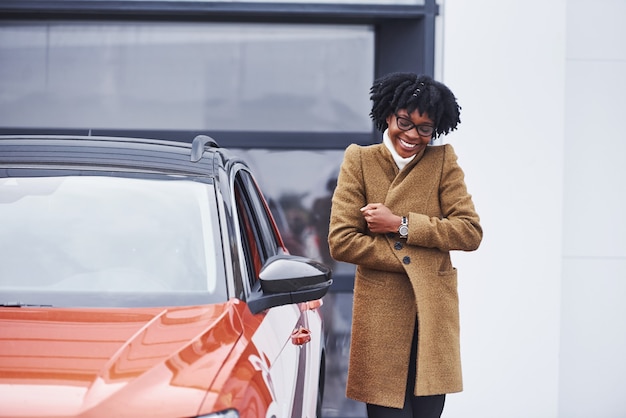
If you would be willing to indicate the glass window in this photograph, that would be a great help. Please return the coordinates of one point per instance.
(249, 235)
(109, 235)
(186, 76)
(258, 238)
(298, 185)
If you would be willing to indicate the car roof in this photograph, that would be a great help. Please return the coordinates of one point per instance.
(200, 157)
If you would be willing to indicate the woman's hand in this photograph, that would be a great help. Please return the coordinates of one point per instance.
(379, 218)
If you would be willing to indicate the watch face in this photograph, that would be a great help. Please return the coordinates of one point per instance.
(403, 230)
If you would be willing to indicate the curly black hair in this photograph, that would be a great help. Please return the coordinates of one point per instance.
(410, 91)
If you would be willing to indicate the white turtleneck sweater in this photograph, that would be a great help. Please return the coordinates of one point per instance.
(401, 162)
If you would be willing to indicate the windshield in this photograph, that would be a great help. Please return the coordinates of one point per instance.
(108, 241)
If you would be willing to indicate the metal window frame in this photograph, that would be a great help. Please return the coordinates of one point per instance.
(404, 41)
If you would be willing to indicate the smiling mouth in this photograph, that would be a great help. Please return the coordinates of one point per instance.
(407, 144)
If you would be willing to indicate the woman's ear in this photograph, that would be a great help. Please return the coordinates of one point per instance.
(389, 119)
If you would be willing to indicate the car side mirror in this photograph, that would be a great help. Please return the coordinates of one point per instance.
(286, 279)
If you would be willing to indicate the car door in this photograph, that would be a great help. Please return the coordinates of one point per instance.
(286, 361)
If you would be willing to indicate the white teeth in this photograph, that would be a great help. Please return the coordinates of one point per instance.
(406, 144)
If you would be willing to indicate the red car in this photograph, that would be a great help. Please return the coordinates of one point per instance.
(148, 278)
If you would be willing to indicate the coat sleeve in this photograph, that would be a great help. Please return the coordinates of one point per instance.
(458, 228)
(348, 239)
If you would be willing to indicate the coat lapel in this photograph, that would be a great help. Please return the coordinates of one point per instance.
(407, 190)
(379, 172)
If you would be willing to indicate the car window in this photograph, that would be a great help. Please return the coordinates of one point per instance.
(109, 236)
(252, 255)
(259, 238)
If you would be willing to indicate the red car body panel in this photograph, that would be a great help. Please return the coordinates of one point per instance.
(104, 362)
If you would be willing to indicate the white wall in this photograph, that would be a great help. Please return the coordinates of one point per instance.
(542, 142)
(593, 325)
(505, 60)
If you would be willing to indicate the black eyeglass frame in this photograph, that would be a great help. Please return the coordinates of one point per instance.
(430, 129)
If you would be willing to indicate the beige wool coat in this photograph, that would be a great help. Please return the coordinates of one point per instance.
(398, 281)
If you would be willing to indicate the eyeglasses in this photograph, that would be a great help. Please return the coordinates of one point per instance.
(405, 124)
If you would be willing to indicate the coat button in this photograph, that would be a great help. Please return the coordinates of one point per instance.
(406, 259)
(391, 235)
(398, 245)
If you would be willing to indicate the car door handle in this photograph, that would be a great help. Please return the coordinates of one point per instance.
(314, 304)
(310, 305)
(300, 336)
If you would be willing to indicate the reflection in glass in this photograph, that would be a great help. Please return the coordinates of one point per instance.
(299, 186)
(186, 76)
(106, 234)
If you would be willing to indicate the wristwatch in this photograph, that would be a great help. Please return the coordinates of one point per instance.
(403, 230)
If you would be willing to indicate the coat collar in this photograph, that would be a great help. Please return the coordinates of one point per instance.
(400, 161)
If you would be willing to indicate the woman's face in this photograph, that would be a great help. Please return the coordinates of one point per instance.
(404, 132)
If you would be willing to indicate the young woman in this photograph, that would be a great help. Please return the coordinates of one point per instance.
(398, 210)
